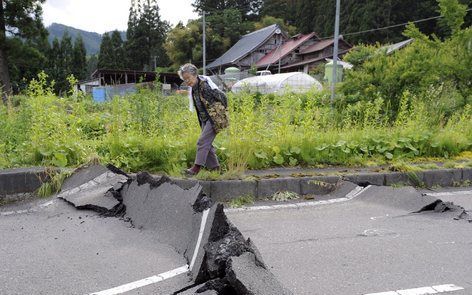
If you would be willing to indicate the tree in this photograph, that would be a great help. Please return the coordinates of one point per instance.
(25, 61)
(92, 64)
(249, 9)
(65, 63)
(364, 15)
(79, 59)
(229, 24)
(105, 57)
(54, 60)
(281, 9)
(146, 36)
(270, 20)
(184, 44)
(118, 50)
(66, 58)
(112, 52)
(18, 18)
(454, 15)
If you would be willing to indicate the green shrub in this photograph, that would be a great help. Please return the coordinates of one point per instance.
(430, 71)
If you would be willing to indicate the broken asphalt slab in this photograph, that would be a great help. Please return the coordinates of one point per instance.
(248, 279)
(195, 226)
(185, 219)
(411, 200)
(168, 210)
(94, 187)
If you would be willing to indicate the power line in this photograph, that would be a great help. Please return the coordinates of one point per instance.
(390, 27)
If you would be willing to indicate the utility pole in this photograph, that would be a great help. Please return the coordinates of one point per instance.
(204, 43)
(335, 53)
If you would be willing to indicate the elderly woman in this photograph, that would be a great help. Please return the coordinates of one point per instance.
(212, 112)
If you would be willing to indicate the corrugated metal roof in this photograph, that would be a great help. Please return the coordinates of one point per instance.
(318, 46)
(245, 45)
(312, 60)
(280, 52)
(397, 46)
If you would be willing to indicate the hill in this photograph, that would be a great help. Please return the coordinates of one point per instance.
(92, 40)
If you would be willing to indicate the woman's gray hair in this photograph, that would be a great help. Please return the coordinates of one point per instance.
(187, 68)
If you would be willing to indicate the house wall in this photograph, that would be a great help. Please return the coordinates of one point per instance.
(260, 52)
(293, 57)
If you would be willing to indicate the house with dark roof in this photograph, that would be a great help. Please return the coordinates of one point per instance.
(315, 54)
(271, 48)
(288, 52)
(250, 49)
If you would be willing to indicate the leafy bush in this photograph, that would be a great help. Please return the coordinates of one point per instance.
(433, 71)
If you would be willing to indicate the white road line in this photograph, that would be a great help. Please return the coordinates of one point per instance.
(351, 195)
(357, 191)
(447, 194)
(423, 290)
(144, 282)
(447, 288)
(30, 210)
(200, 235)
(163, 276)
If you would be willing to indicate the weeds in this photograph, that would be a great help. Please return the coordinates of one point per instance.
(284, 196)
(53, 184)
(242, 201)
(147, 131)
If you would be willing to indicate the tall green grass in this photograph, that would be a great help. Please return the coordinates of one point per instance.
(147, 131)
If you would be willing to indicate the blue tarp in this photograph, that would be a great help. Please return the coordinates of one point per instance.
(103, 93)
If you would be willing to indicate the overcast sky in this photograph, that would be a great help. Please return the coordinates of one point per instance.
(107, 15)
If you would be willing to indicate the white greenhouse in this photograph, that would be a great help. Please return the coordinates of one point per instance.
(279, 83)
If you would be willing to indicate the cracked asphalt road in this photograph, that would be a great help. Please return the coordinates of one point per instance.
(61, 250)
(356, 247)
(362, 247)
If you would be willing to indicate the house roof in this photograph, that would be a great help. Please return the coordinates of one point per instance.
(321, 45)
(128, 72)
(244, 46)
(397, 46)
(312, 60)
(318, 46)
(282, 51)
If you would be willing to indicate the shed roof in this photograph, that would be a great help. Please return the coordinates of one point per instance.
(318, 46)
(397, 46)
(282, 51)
(127, 72)
(244, 46)
(312, 60)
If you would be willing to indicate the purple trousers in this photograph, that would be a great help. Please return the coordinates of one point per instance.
(206, 153)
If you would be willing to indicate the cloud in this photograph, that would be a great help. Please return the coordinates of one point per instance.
(107, 15)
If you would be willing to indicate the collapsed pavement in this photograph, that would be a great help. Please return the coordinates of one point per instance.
(411, 200)
(220, 260)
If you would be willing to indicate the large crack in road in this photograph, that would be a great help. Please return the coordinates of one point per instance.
(219, 258)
